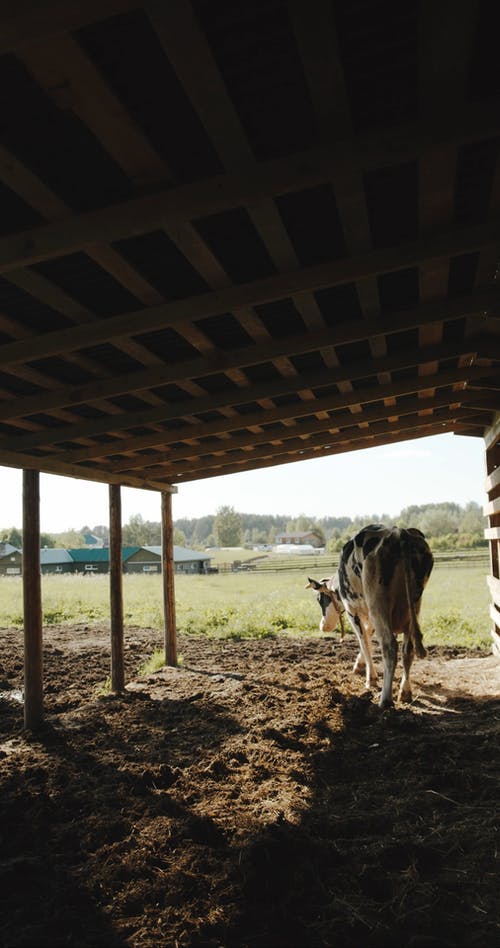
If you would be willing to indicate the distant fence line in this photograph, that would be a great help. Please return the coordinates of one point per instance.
(326, 565)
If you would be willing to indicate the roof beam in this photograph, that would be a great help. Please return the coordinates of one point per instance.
(55, 466)
(333, 423)
(398, 434)
(300, 409)
(12, 409)
(346, 332)
(319, 443)
(259, 291)
(30, 20)
(316, 38)
(267, 179)
(446, 33)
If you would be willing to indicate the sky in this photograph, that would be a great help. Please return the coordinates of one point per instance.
(380, 480)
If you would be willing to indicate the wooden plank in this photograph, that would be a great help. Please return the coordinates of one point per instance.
(446, 35)
(492, 533)
(167, 562)
(192, 59)
(492, 508)
(14, 408)
(251, 355)
(144, 214)
(332, 423)
(60, 67)
(305, 455)
(282, 413)
(204, 456)
(190, 56)
(34, 192)
(494, 584)
(27, 21)
(116, 588)
(22, 181)
(32, 599)
(258, 292)
(148, 416)
(495, 616)
(54, 465)
(316, 38)
(493, 480)
(493, 435)
(495, 647)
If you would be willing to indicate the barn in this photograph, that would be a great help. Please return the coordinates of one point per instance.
(10, 560)
(235, 236)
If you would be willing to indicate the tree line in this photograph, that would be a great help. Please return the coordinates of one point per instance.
(446, 525)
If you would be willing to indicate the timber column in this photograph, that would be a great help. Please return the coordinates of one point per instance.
(116, 588)
(167, 566)
(492, 532)
(32, 597)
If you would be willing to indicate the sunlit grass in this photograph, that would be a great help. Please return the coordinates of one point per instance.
(155, 662)
(250, 605)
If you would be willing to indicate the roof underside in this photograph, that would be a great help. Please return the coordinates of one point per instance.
(240, 234)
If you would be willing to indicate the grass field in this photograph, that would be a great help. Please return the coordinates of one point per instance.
(454, 611)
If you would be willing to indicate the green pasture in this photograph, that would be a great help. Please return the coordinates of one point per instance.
(240, 605)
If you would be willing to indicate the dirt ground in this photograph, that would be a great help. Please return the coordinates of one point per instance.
(255, 796)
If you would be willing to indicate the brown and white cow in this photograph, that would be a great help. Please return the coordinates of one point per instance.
(331, 604)
(382, 575)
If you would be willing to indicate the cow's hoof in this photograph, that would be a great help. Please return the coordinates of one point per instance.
(405, 697)
(358, 669)
(386, 705)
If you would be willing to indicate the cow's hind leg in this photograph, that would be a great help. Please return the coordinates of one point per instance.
(389, 646)
(359, 665)
(408, 654)
(364, 660)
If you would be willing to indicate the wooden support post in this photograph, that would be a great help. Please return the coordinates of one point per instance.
(492, 533)
(167, 565)
(116, 588)
(32, 595)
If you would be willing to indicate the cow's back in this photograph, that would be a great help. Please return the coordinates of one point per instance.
(372, 572)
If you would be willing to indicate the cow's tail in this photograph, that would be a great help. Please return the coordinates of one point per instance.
(415, 630)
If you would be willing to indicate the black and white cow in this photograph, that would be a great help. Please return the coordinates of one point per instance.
(382, 575)
(331, 605)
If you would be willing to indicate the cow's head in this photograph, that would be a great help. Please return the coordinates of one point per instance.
(329, 602)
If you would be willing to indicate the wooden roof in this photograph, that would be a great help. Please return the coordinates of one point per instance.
(240, 234)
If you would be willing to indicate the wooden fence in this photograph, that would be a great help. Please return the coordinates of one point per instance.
(327, 564)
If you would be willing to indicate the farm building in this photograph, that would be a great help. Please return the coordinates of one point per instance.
(185, 561)
(10, 560)
(57, 561)
(90, 540)
(308, 537)
(97, 560)
(135, 559)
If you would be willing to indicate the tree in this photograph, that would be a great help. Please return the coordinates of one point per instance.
(47, 541)
(437, 522)
(14, 537)
(70, 539)
(140, 532)
(179, 537)
(473, 520)
(227, 527)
